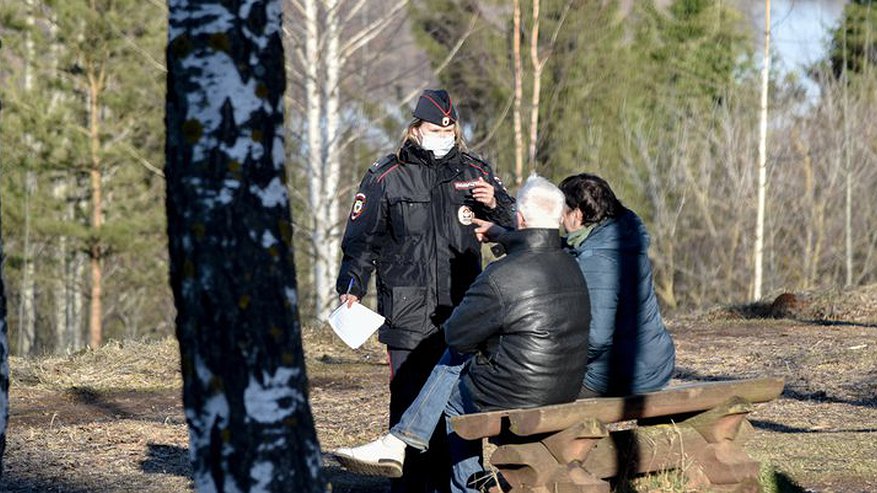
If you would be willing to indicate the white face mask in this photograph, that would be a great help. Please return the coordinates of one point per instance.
(438, 144)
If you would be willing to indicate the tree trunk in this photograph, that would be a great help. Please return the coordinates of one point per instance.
(848, 196)
(330, 222)
(4, 366)
(231, 255)
(314, 139)
(4, 355)
(76, 300)
(60, 182)
(27, 315)
(26, 322)
(96, 79)
(762, 161)
(537, 86)
(519, 93)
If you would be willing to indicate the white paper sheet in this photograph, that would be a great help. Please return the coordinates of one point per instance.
(355, 324)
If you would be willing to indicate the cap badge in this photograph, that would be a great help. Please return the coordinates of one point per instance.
(446, 121)
(465, 215)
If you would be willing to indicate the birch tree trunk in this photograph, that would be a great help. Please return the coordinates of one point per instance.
(4, 354)
(848, 196)
(26, 321)
(537, 86)
(329, 220)
(230, 241)
(4, 364)
(519, 92)
(762, 161)
(314, 139)
(59, 284)
(27, 325)
(76, 303)
(60, 182)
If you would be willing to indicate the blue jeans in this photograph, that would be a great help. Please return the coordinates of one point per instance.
(418, 422)
(466, 455)
(443, 393)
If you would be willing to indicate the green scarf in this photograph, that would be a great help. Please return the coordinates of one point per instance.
(577, 237)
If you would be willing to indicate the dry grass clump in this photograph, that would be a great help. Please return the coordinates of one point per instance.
(132, 365)
(854, 306)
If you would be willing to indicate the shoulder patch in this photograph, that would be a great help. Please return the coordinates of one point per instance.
(358, 206)
(382, 163)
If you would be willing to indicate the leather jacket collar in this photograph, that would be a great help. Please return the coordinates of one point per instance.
(531, 239)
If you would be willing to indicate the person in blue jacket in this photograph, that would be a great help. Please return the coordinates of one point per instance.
(629, 348)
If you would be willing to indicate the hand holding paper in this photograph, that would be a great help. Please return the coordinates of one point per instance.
(354, 324)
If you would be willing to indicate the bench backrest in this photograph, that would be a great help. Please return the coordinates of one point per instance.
(671, 401)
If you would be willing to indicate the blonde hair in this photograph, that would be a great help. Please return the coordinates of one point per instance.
(410, 134)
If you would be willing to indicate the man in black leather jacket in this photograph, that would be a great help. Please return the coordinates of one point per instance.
(524, 321)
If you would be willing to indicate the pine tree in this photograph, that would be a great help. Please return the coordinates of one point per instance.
(93, 116)
(232, 269)
(854, 41)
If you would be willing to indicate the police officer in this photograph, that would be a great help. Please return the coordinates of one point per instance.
(411, 221)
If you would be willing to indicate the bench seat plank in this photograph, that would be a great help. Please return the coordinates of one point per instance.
(681, 399)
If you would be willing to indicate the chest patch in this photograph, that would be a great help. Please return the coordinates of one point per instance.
(465, 185)
(358, 206)
(465, 215)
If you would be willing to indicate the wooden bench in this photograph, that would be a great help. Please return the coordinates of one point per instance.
(698, 429)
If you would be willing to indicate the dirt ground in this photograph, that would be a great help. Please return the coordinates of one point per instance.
(70, 433)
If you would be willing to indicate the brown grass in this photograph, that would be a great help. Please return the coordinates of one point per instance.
(110, 420)
(130, 365)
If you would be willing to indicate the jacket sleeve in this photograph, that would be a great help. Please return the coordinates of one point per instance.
(504, 212)
(363, 237)
(476, 318)
(601, 275)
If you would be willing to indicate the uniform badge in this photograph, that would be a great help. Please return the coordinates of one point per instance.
(446, 121)
(465, 215)
(358, 206)
(465, 185)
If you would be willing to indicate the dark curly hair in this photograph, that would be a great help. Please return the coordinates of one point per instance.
(592, 195)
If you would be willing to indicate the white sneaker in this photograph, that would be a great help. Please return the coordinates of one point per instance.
(382, 457)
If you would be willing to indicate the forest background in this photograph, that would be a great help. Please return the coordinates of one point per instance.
(661, 98)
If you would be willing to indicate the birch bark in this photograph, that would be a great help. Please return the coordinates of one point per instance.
(27, 315)
(230, 242)
(4, 354)
(762, 162)
(330, 220)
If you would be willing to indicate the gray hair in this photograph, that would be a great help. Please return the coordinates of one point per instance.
(540, 202)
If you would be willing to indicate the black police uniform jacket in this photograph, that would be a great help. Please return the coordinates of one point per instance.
(526, 319)
(411, 221)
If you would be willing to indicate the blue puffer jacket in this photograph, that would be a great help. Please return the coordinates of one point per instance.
(630, 350)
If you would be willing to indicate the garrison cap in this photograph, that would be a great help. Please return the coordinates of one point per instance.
(435, 106)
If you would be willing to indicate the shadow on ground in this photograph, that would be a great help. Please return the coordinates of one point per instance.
(781, 483)
(342, 481)
(166, 459)
(12, 484)
(789, 391)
